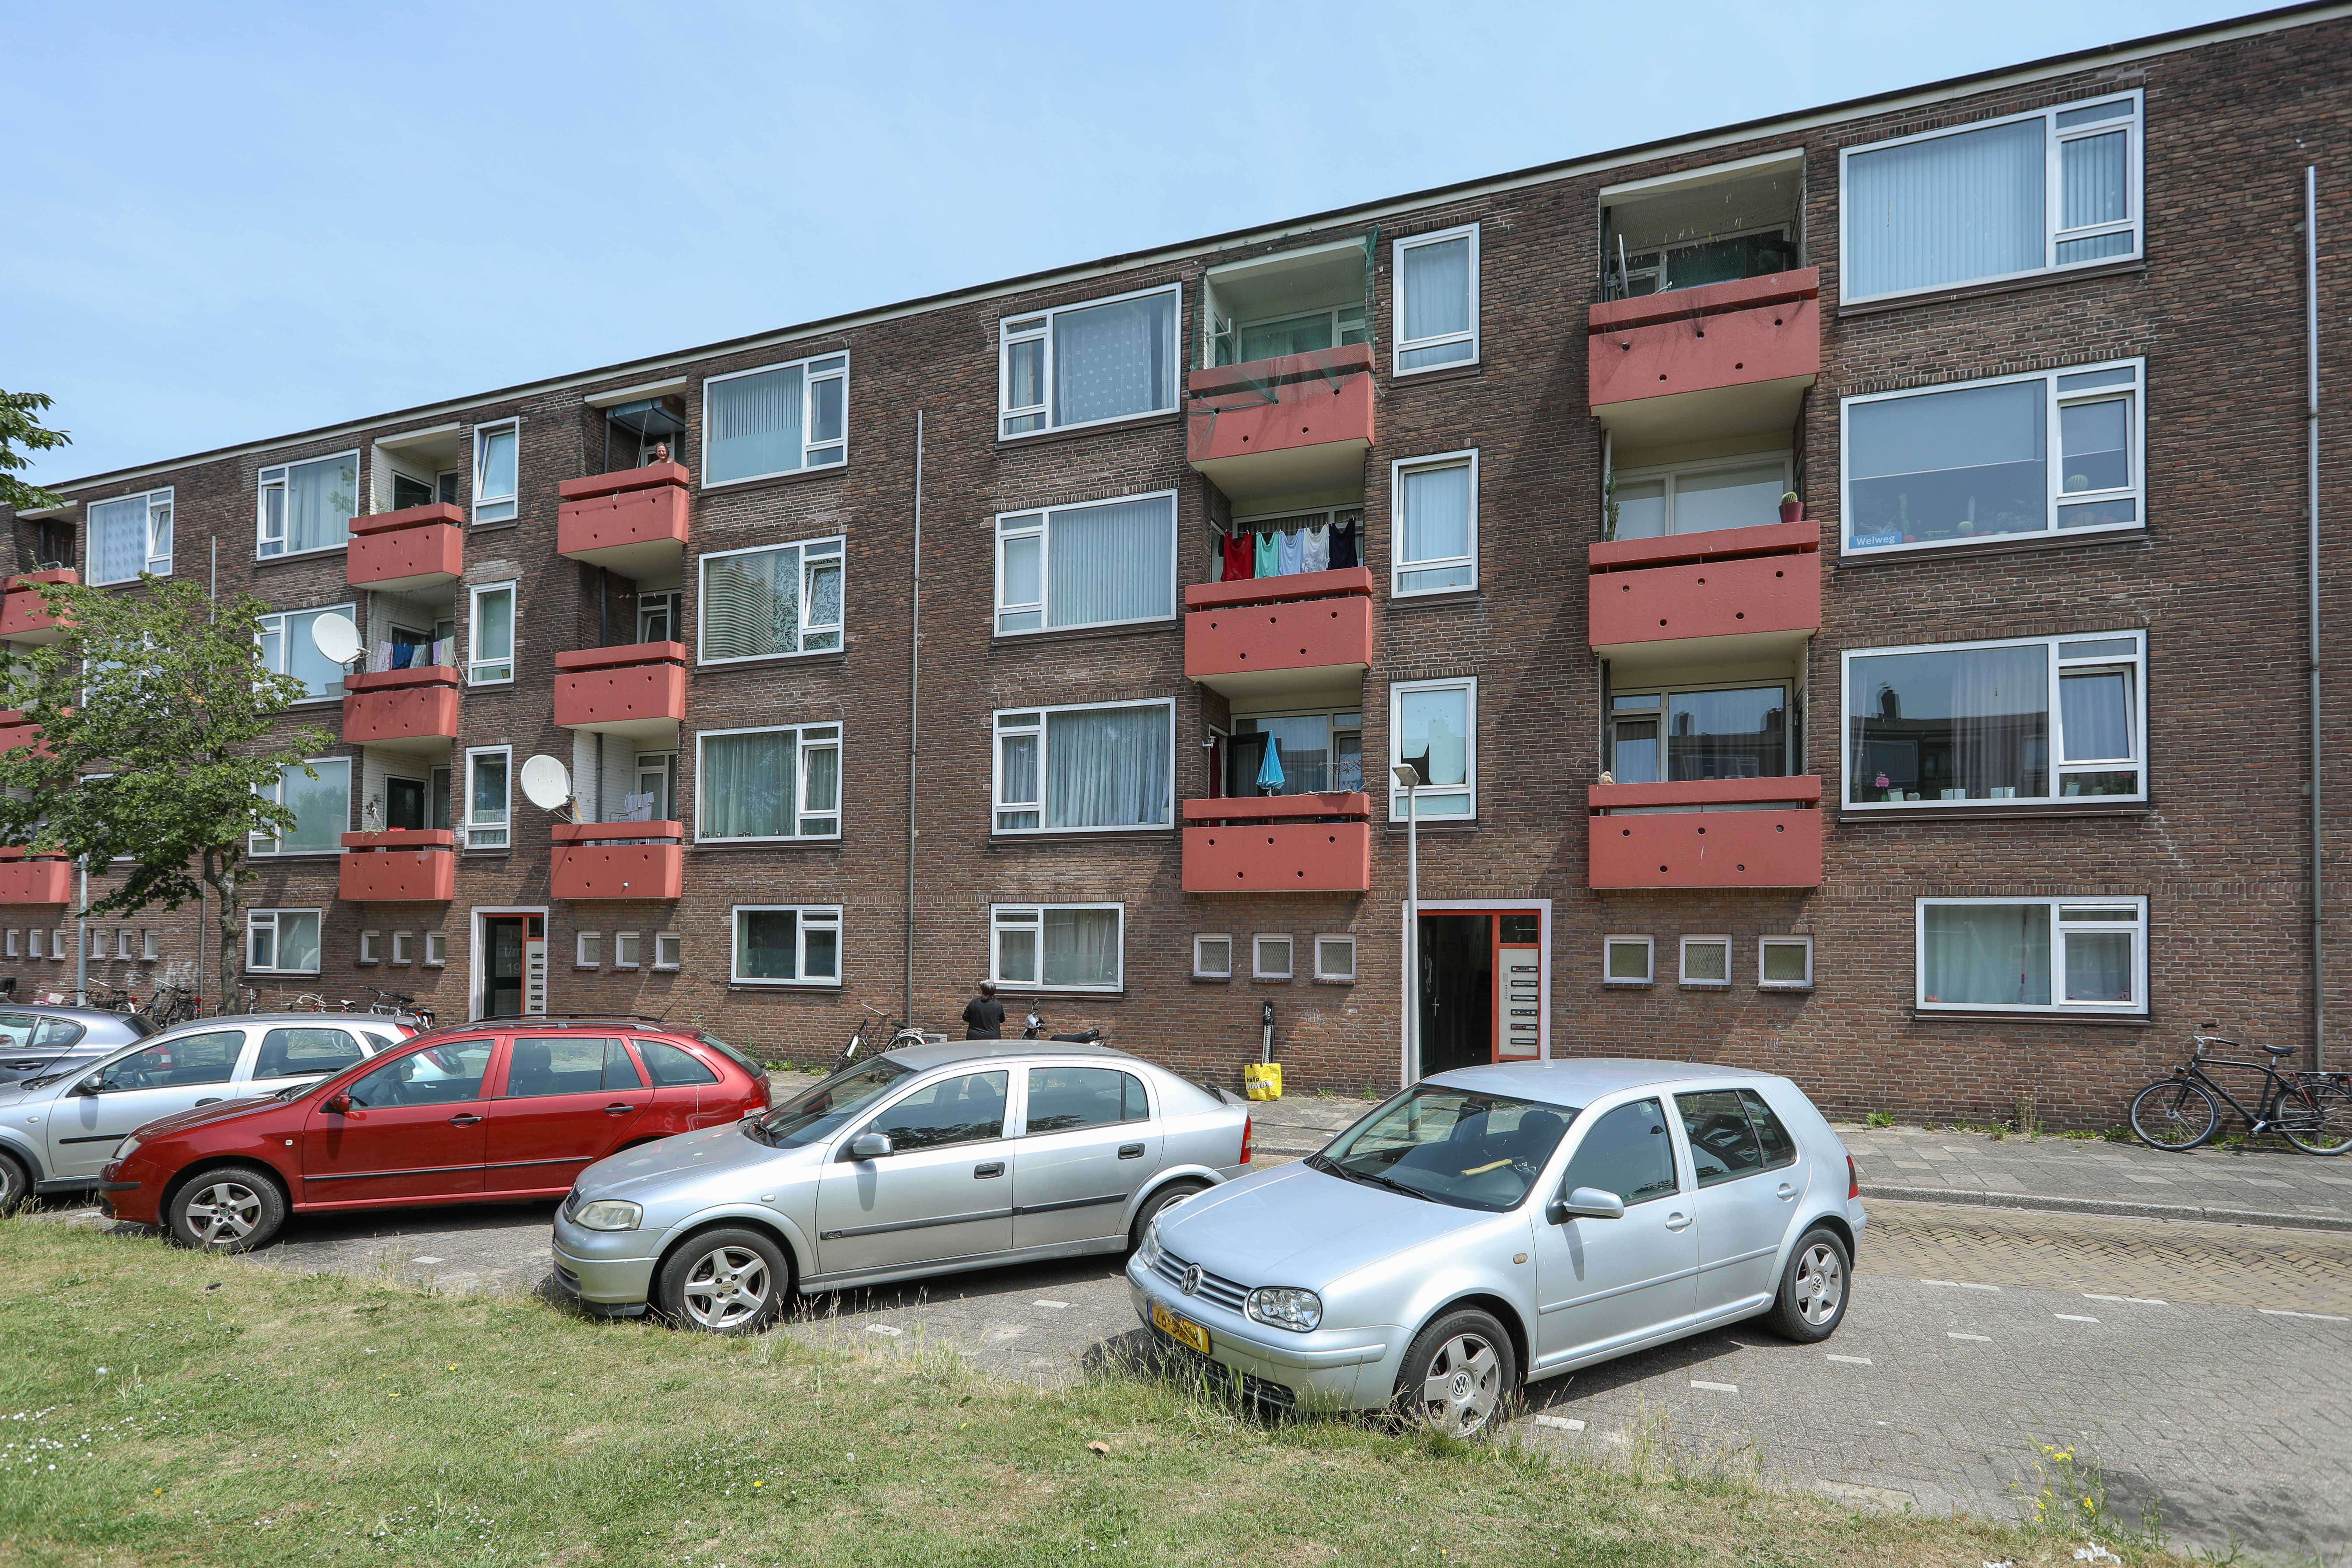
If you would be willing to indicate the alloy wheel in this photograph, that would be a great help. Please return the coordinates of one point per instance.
(726, 1287)
(1464, 1385)
(1820, 1284)
(223, 1213)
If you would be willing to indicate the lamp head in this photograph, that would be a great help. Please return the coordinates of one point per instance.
(1408, 776)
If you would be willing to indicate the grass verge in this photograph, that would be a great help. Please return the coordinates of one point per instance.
(159, 1407)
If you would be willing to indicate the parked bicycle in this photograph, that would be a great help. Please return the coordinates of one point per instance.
(868, 1040)
(399, 1003)
(2180, 1112)
(171, 1005)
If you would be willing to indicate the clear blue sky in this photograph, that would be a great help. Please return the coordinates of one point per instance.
(228, 223)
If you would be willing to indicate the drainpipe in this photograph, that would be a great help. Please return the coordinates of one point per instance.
(914, 713)
(2311, 443)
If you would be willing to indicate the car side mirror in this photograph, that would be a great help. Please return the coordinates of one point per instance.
(1586, 1203)
(869, 1146)
(88, 1086)
(338, 1103)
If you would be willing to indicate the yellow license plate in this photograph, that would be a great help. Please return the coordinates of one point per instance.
(1184, 1331)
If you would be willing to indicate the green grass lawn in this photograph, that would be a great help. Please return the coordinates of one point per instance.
(158, 1407)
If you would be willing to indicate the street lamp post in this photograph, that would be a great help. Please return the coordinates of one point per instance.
(1408, 778)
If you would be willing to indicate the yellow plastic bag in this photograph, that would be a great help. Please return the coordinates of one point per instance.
(1263, 1080)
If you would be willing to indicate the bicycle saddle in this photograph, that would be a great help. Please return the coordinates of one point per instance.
(2282, 1050)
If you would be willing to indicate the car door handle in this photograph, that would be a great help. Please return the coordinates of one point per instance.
(1678, 1222)
(994, 1168)
(464, 1120)
(1130, 1151)
(213, 1100)
(1785, 1191)
(618, 1109)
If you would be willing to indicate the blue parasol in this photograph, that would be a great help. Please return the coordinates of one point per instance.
(1269, 773)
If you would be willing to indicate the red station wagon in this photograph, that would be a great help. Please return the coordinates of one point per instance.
(499, 1112)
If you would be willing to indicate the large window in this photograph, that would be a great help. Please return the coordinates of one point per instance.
(786, 944)
(491, 633)
(489, 797)
(496, 482)
(289, 649)
(2038, 720)
(1100, 766)
(760, 423)
(2041, 955)
(1435, 526)
(1434, 725)
(1084, 365)
(1697, 498)
(321, 807)
(1295, 754)
(1437, 300)
(1715, 732)
(308, 506)
(281, 941)
(2052, 453)
(1057, 947)
(771, 602)
(129, 535)
(783, 783)
(1095, 565)
(2039, 192)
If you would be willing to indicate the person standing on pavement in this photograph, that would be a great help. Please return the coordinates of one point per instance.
(984, 1015)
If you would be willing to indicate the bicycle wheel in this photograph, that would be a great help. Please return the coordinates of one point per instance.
(2175, 1114)
(2317, 1117)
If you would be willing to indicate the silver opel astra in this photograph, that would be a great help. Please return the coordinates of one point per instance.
(1502, 1224)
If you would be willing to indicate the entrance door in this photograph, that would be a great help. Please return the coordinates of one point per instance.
(1481, 988)
(503, 940)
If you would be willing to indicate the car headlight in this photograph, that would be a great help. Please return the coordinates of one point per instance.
(1300, 1312)
(608, 1214)
(128, 1147)
(1150, 1250)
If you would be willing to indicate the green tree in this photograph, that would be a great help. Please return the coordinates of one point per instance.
(155, 714)
(19, 430)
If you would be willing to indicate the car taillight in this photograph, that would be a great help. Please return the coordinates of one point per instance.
(767, 1091)
(1245, 1141)
(1853, 1179)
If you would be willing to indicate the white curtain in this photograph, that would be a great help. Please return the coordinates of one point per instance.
(1437, 289)
(298, 941)
(1114, 562)
(1436, 722)
(1726, 498)
(2000, 734)
(119, 533)
(751, 604)
(755, 425)
(1992, 954)
(1107, 767)
(2098, 966)
(1081, 947)
(1436, 514)
(321, 806)
(2094, 708)
(747, 785)
(319, 499)
(2094, 181)
(1115, 359)
(1947, 210)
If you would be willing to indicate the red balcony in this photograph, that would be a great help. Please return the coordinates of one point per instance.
(639, 690)
(23, 615)
(1762, 585)
(1283, 426)
(1268, 633)
(399, 552)
(15, 732)
(1279, 844)
(1710, 833)
(1722, 359)
(400, 865)
(25, 880)
(619, 860)
(633, 522)
(415, 709)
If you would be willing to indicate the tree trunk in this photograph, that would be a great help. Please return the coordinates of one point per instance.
(221, 873)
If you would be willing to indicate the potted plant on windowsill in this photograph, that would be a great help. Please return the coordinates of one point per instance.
(1791, 509)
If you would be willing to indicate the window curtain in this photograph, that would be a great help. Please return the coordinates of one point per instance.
(2001, 722)
(825, 603)
(755, 425)
(118, 529)
(1116, 359)
(1115, 562)
(2095, 710)
(767, 944)
(2098, 966)
(1437, 289)
(1990, 954)
(1081, 947)
(1436, 514)
(319, 500)
(2093, 181)
(321, 806)
(1728, 498)
(752, 605)
(1433, 727)
(747, 785)
(298, 941)
(1107, 767)
(1947, 210)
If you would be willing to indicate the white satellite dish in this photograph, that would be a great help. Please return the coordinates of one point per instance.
(335, 636)
(546, 783)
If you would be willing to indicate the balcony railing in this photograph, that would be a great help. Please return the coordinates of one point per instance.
(15, 732)
(619, 860)
(30, 879)
(1279, 844)
(1282, 426)
(633, 522)
(1264, 633)
(1706, 833)
(417, 708)
(399, 865)
(1718, 360)
(1763, 584)
(24, 615)
(638, 689)
(402, 551)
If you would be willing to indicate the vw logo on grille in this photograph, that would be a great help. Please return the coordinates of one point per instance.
(1192, 1280)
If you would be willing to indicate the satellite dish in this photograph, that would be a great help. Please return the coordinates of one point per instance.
(336, 637)
(546, 783)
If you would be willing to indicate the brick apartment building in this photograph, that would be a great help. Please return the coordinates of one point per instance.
(1935, 790)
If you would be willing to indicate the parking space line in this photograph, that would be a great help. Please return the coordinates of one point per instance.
(1853, 1360)
(2073, 1317)
(1715, 1388)
(1563, 1423)
(883, 1329)
(1041, 1301)
(1959, 1285)
(426, 1260)
(1980, 1338)
(2131, 1301)
(2315, 1317)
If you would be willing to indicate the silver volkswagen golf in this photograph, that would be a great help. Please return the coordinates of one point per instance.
(1502, 1224)
(923, 1160)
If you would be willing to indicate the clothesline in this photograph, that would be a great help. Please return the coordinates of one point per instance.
(1245, 553)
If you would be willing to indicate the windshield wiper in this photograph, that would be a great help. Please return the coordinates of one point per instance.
(1332, 1167)
(753, 1130)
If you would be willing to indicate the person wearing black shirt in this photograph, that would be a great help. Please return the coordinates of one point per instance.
(984, 1015)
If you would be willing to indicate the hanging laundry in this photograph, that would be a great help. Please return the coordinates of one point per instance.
(1347, 544)
(1238, 564)
(1317, 556)
(1293, 552)
(1266, 551)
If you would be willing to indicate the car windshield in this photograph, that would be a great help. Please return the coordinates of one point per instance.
(1451, 1146)
(823, 1110)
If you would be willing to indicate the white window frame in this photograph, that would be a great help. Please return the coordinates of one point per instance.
(1703, 984)
(803, 748)
(368, 940)
(1334, 976)
(276, 622)
(2053, 191)
(996, 913)
(588, 950)
(14, 941)
(1040, 531)
(436, 949)
(831, 547)
(34, 942)
(2060, 928)
(1612, 716)
(826, 916)
(669, 950)
(671, 605)
(1398, 344)
(255, 919)
(836, 368)
(57, 944)
(403, 948)
(275, 478)
(2055, 494)
(1200, 967)
(150, 945)
(1649, 959)
(1469, 784)
(2056, 767)
(1258, 971)
(1764, 944)
(1398, 565)
(1035, 325)
(1000, 807)
(262, 844)
(1674, 473)
(159, 536)
(498, 508)
(475, 666)
(631, 944)
(504, 831)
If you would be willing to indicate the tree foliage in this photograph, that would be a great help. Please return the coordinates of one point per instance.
(20, 433)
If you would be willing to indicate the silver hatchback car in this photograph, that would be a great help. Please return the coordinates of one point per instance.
(923, 1160)
(1503, 1223)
